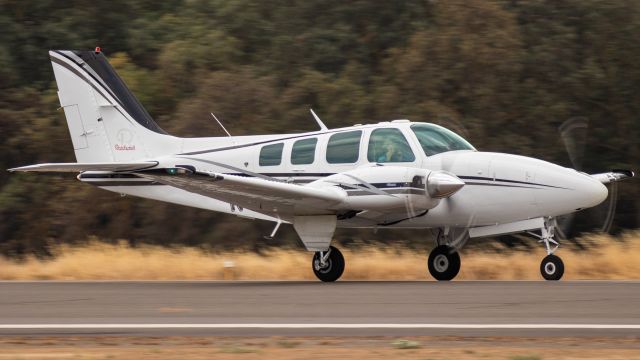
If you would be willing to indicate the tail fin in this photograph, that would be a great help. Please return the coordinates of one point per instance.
(106, 121)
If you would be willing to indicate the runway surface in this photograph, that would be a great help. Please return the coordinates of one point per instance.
(485, 308)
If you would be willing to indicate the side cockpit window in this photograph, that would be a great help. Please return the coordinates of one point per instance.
(344, 148)
(303, 151)
(271, 155)
(389, 145)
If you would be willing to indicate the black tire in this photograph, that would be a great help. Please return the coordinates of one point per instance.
(552, 268)
(333, 269)
(444, 263)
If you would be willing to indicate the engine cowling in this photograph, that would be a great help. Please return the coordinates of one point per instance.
(388, 188)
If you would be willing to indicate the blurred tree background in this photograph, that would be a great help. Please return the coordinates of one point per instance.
(505, 74)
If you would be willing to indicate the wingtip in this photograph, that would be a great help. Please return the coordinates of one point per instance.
(16, 169)
(625, 172)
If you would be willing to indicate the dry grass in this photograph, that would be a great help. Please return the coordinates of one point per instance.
(608, 258)
(195, 348)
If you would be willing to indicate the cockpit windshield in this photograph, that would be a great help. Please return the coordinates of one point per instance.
(435, 139)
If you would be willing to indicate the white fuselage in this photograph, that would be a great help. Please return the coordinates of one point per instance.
(499, 188)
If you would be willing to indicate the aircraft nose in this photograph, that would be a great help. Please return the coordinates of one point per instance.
(573, 191)
(593, 191)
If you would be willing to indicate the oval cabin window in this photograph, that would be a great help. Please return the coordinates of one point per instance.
(303, 151)
(271, 155)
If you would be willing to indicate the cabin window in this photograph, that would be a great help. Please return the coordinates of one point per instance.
(271, 155)
(344, 148)
(303, 151)
(389, 145)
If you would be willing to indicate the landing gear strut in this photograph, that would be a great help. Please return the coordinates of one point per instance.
(328, 265)
(551, 267)
(444, 260)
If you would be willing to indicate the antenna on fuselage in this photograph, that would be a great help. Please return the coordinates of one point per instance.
(323, 127)
(220, 123)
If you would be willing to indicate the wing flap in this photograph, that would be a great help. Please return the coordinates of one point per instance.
(80, 167)
(256, 194)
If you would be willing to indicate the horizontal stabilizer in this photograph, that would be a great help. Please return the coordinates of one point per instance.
(80, 167)
(614, 175)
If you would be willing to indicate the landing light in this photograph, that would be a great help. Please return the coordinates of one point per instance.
(179, 171)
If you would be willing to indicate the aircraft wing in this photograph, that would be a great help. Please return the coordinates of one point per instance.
(79, 167)
(257, 194)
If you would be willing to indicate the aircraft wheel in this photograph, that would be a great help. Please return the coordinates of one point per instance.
(333, 267)
(552, 267)
(444, 263)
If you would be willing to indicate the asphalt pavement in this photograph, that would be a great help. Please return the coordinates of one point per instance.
(344, 308)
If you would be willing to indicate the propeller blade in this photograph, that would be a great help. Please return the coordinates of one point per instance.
(563, 225)
(611, 209)
(574, 136)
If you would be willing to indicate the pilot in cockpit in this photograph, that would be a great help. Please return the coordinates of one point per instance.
(390, 152)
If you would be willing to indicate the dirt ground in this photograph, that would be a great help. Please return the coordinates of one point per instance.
(508, 348)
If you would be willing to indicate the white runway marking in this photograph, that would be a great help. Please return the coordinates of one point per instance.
(319, 326)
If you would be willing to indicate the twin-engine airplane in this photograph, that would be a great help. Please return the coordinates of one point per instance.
(397, 174)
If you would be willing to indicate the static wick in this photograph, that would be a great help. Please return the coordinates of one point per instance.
(220, 123)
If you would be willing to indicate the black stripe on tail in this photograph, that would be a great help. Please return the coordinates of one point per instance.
(113, 84)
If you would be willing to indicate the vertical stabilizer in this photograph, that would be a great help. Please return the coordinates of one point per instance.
(106, 121)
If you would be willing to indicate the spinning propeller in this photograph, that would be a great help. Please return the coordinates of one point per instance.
(573, 133)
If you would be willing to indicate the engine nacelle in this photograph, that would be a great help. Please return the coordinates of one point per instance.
(387, 188)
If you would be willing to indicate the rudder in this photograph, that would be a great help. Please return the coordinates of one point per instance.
(106, 121)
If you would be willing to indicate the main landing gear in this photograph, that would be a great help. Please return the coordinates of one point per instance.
(444, 260)
(551, 267)
(328, 265)
(444, 263)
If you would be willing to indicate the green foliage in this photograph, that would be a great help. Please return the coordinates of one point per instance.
(504, 74)
(239, 350)
(404, 344)
(525, 357)
(288, 344)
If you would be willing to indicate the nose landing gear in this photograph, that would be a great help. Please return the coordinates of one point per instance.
(551, 267)
(328, 265)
